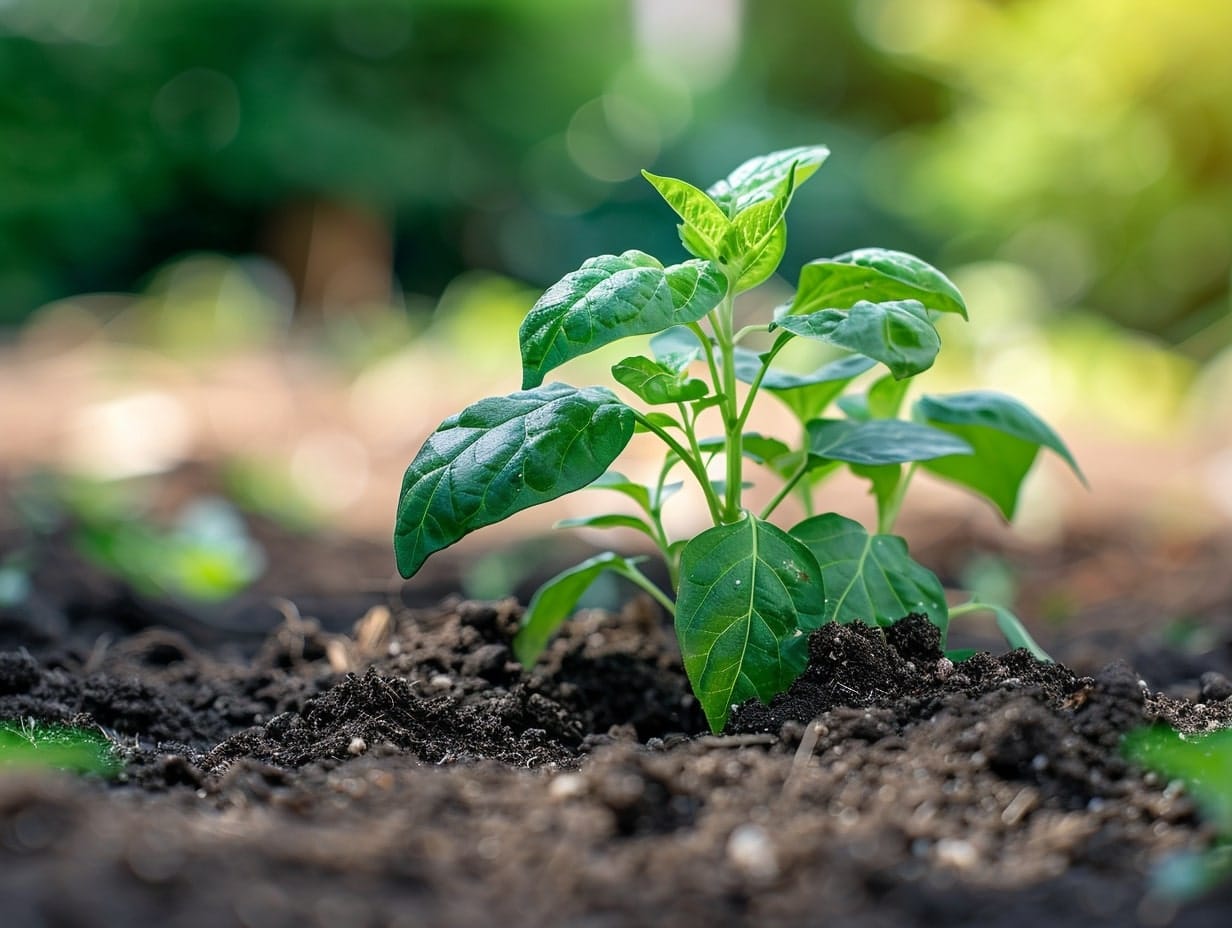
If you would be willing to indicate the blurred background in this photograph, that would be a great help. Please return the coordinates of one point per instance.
(265, 248)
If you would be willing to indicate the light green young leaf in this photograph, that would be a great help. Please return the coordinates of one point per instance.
(765, 177)
(898, 334)
(656, 383)
(748, 591)
(705, 225)
(875, 275)
(1005, 435)
(502, 455)
(880, 441)
(759, 237)
(612, 297)
(555, 601)
(870, 578)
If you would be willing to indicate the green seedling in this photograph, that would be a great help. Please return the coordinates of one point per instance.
(26, 744)
(1204, 764)
(745, 592)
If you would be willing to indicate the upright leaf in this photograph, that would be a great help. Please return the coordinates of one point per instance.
(748, 591)
(705, 224)
(759, 237)
(869, 578)
(555, 601)
(880, 441)
(1006, 437)
(898, 334)
(875, 275)
(609, 298)
(502, 455)
(764, 177)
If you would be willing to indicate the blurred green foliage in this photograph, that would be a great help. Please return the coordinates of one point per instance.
(1088, 146)
(39, 745)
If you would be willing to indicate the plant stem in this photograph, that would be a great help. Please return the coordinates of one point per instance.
(636, 576)
(887, 515)
(689, 460)
(785, 489)
(734, 447)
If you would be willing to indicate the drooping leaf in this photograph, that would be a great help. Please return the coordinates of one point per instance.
(884, 480)
(764, 177)
(657, 383)
(898, 334)
(612, 297)
(502, 455)
(870, 578)
(880, 441)
(1006, 437)
(1015, 633)
(885, 397)
(748, 591)
(553, 603)
(705, 224)
(875, 275)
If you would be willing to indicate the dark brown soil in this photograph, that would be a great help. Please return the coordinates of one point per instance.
(402, 769)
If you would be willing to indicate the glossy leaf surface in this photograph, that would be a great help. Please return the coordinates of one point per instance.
(704, 226)
(656, 383)
(898, 334)
(869, 578)
(874, 275)
(502, 455)
(765, 177)
(880, 441)
(609, 298)
(748, 591)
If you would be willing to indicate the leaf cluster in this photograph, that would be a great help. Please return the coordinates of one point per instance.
(745, 592)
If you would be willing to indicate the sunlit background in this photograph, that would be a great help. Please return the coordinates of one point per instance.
(287, 238)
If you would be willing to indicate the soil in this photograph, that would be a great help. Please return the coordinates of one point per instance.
(366, 760)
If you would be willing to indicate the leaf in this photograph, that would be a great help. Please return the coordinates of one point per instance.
(898, 334)
(705, 224)
(1203, 762)
(764, 177)
(875, 275)
(884, 479)
(748, 591)
(656, 383)
(759, 237)
(502, 455)
(676, 347)
(555, 601)
(1016, 634)
(869, 578)
(1005, 435)
(609, 520)
(885, 397)
(612, 297)
(880, 441)
(644, 496)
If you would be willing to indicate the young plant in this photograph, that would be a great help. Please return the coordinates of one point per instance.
(746, 592)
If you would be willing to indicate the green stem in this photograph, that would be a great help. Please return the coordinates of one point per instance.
(785, 489)
(761, 375)
(887, 515)
(749, 330)
(709, 349)
(734, 449)
(692, 463)
(649, 586)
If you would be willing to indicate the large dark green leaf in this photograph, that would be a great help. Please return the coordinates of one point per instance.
(869, 578)
(612, 297)
(657, 383)
(898, 334)
(875, 275)
(1006, 437)
(502, 455)
(748, 592)
(555, 601)
(880, 441)
(766, 177)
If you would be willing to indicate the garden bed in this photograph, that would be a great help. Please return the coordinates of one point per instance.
(394, 766)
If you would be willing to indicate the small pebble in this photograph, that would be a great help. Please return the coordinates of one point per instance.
(1215, 687)
(954, 852)
(357, 746)
(750, 850)
(567, 786)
